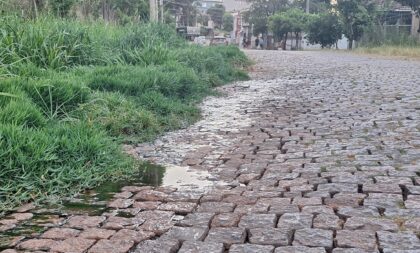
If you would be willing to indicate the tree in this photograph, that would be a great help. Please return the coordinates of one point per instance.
(415, 6)
(260, 11)
(355, 18)
(293, 21)
(324, 29)
(216, 14)
(228, 22)
(61, 7)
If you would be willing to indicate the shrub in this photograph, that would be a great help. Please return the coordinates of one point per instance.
(60, 158)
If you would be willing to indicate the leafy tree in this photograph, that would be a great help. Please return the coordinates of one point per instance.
(293, 20)
(61, 7)
(325, 29)
(228, 22)
(216, 13)
(260, 11)
(414, 4)
(355, 18)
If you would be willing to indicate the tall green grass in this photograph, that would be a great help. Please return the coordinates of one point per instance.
(72, 92)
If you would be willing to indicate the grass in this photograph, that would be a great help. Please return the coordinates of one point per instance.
(71, 93)
(399, 51)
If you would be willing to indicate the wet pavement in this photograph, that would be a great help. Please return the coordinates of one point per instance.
(318, 153)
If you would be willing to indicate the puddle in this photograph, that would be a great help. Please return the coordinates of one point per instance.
(185, 177)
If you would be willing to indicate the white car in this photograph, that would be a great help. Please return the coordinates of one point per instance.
(219, 40)
(201, 40)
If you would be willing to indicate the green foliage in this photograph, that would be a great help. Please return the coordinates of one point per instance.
(71, 92)
(292, 20)
(228, 22)
(261, 10)
(61, 7)
(376, 36)
(354, 17)
(60, 158)
(216, 14)
(324, 29)
(414, 4)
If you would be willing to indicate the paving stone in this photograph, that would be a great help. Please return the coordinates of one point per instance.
(216, 207)
(327, 221)
(400, 241)
(196, 220)
(352, 250)
(294, 221)
(413, 189)
(116, 223)
(84, 221)
(365, 240)
(178, 207)
(226, 220)
(132, 235)
(314, 201)
(240, 200)
(382, 188)
(185, 196)
(112, 246)
(60, 233)
(147, 205)
(158, 246)
(72, 245)
(270, 236)
(318, 210)
(227, 236)
(362, 211)
(399, 251)
(345, 199)
(282, 209)
(135, 188)
(121, 203)
(201, 247)
(338, 187)
(157, 226)
(384, 200)
(96, 233)
(123, 195)
(412, 202)
(299, 249)
(373, 224)
(257, 221)
(393, 180)
(257, 208)
(186, 233)
(313, 237)
(37, 244)
(150, 195)
(413, 224)
(251, 248)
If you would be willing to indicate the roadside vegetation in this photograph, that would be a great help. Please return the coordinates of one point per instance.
(369, 26)
(71, 93)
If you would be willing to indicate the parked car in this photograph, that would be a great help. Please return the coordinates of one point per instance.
(201, 40)
(219, 40)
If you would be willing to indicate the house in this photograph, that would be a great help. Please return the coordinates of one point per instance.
(240, 27)
(204, 5)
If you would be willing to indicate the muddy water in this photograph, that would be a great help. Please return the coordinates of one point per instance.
(94, 202)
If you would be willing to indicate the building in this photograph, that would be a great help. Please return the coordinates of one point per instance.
(204, 5)
(240, 27)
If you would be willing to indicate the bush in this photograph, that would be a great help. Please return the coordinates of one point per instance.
(59, 158)
(171, 80)
(70, 92)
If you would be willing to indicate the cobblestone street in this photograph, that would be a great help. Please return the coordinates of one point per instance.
(318, 153)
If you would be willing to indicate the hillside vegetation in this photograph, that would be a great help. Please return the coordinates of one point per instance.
(71, 93)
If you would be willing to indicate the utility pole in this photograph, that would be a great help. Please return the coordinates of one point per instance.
(161, 11)
(307, 6)
(153, 11)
